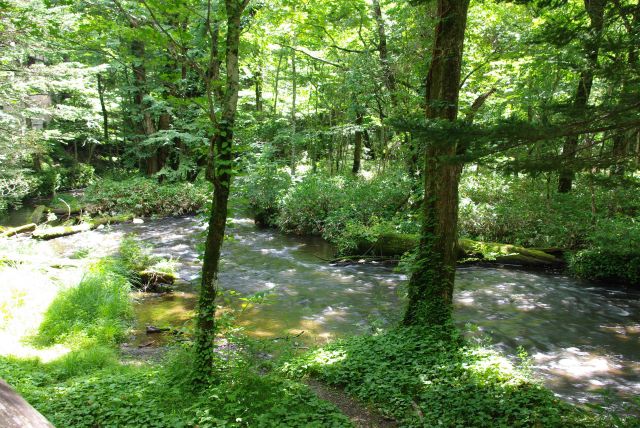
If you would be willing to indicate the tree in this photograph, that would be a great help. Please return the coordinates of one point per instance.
(221, 164)
(430, 288)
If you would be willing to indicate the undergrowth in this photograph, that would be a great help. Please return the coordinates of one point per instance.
(433, 377)
(145, 197)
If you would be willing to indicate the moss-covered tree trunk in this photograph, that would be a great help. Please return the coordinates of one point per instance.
(221, 163)
(430, 287)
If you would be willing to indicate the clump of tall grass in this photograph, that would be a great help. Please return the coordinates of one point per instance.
(98, 308)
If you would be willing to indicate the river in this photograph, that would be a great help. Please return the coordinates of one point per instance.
(581, 337)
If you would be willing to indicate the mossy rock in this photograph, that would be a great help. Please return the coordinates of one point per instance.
(153, 280)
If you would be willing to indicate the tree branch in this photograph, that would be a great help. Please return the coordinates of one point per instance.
(315, 58)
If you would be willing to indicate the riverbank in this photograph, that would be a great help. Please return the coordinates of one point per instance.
(306, 303)
(62, 326)
(88, 383)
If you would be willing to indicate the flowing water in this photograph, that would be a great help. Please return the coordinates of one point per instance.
(581, 337)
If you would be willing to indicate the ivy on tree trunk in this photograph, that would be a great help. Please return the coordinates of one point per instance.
(221, 168)
(430, 287)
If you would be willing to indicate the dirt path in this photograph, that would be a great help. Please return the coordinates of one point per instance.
(361, 416)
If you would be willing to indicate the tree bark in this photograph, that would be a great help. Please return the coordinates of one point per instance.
(257, 81)
(595, 10)
(222, 163)
(430, 288)
(357, 151)
(387, 73)
(624, 140)
(146, 126)
(15, 412)
(275, 86)
(294, 93)
(105, 113)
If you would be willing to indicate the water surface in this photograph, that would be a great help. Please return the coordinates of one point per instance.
(581, 337)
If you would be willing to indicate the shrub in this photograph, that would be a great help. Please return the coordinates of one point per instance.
(14, 187)
(517, 211)
(329, 205)
(263, 187)
(145, 197)
(613, 253)
(79, 176)
(305, 208)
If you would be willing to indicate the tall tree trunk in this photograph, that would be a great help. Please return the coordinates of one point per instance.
(146, 126)
(222, 163)
(595, 10)
(357, 151)
(257, 81)
(105, 113)
(294, 93)
(275, 85)
(431, 284)
(623, 141)
(389, 77)
(368, 144)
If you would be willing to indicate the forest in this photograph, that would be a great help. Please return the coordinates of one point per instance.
(320, 213)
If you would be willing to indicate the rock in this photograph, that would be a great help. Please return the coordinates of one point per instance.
(138, 221)
(38, 214)
(153, 280)
(155, 330)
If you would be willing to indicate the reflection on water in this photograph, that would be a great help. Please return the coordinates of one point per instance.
(580, 337)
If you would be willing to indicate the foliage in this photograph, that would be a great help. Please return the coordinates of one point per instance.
(343, 209)
(503, 209)
(161, 396)
(145, 197)
(79, 176)
(613, 253)
(134, 258)
(67, 202)
(306, 206)
(264, 186)
(432, 377)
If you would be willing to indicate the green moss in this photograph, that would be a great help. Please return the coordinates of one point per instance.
(391, 244)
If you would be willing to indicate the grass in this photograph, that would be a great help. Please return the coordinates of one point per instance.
(99, 308)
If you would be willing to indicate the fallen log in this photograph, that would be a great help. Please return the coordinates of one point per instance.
(65, 211)
(15, 412)
(396, 244)
(20, 229)
(59, 231)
